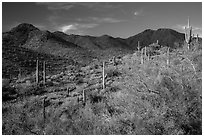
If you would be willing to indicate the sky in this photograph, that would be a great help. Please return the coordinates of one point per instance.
(117, 19)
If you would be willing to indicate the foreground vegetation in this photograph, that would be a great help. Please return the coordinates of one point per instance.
(153, 98)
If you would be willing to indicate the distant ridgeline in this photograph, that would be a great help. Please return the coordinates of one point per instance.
(189, 42)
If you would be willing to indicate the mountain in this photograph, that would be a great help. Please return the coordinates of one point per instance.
(44, 42)
(94, 43)
(166, 37)
(25, 41)
(24, 44)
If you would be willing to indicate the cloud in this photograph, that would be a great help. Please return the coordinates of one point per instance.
(197, 29)
(69, 5)
(76, 28)
(136, 13)
(56, 5)
(105, 20)
(139, 12)
(67, 28)
(182, 27)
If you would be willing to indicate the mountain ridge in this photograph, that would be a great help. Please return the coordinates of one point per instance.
(80, 49)
(166, 37)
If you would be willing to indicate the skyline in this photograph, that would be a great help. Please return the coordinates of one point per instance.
(117, 19)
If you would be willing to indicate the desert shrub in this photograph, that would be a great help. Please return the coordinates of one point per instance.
(113, 88)
(183, 106)
(23, 118)
(113, 72)
(32, 89)
(95, 97)
(8, 93)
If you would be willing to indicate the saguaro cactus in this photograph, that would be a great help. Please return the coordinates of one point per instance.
(148, 57)
(84, 97)
(168, 60)
(141, 56)
(44, 116)
(138, 46)
(114, 61)
(103, 75)
(145, 52)
(19, 74)
(188, 33)
(37, 71)
(197, 38)
(44, 72)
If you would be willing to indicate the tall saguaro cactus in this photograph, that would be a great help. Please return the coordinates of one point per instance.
(138, 46)
(188, 33)
(197, 38)
(44, 116)
(145, 52)
(84, 97)
(44, 72)
(168, 59)
(148, 57)
(103, 75)
(141, 56)
(37, 71)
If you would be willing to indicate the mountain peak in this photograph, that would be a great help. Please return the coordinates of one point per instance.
(165, 29)
(106, 36)
(24, 27)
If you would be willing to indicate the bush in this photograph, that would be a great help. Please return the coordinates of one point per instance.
(113, 73)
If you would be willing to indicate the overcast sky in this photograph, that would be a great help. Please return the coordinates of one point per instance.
(115, 19)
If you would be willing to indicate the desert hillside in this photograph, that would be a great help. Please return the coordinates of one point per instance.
(100, 85)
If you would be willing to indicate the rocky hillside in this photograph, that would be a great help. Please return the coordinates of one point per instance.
(153, 98)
